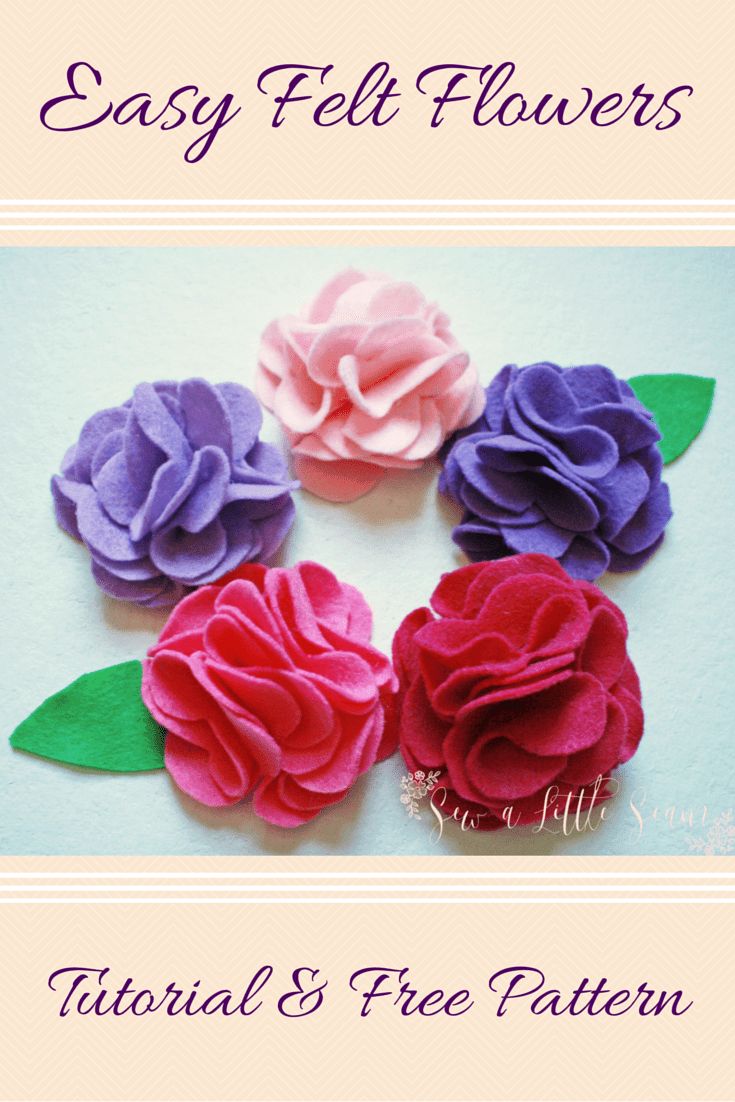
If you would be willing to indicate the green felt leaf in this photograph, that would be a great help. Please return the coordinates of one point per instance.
(680, 405)
(99, 721)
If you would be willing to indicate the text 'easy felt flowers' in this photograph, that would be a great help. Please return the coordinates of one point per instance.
(173, 489)
(517, 678)
(563, 461)
(268, 683)
(368, 378)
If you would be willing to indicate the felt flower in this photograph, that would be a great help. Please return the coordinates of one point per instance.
(516, 679)
(173, 489)
(267, 683)
(562, 461)
(367, 379)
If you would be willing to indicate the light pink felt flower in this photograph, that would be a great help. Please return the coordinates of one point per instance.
(367, 379)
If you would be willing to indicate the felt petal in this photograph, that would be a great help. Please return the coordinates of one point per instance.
(94, 431)
(108, 446)
(190, 615)
(603, 653)
(157, 424)
(65, 509)
(631, 705)
(393, 434)
(155, 592)
(647, 524)
(321, 308)
(301, 404)
(623, 492)
(564, 502)
(117, 495)
(102, 534)
(543, 538)
(284, 803)
(264, 461)
(188, 556)
(593, 384)
(423, 730)
(505, 452)
(603, 756)
(206, 760)
(621, 562)
(232, 640)
(245, 417)
(354, 751)
(207, 496)
(206, 415)
(450, 596)
(327, 351)
(479, 541)
(511, 492)
(208, 756)
(631, 426)
(333, 603)
(142, 456)
(272, 530)
(405, 654)
(586, 557)
(340, 480)
(566, 717)
(474, 688)
(497, 769)
(170, 485)
(189, 766)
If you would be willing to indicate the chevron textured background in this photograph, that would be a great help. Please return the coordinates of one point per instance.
(222, 47)
(666, 923)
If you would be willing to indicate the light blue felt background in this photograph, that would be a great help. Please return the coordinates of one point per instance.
(80, 327)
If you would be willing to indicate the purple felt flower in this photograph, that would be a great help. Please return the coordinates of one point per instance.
(173, 489)
(563, 461)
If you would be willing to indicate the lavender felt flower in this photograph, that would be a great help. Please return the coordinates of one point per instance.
(563, 461)
(173, 489)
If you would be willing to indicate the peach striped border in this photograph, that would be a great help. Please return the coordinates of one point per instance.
(326, 216)
(267, 881)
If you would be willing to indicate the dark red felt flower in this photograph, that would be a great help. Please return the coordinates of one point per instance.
(518, 680)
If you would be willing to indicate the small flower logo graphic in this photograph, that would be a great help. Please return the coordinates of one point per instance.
(720, 838)
(414, 787)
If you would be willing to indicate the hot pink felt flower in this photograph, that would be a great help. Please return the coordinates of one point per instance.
(266, 682)
(367, 379)
(515, 680)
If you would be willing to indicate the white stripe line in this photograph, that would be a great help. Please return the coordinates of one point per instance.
(369, 202)
(369, 228)
(369, 875)
(325, 214)
(451, 901)
(464, 887)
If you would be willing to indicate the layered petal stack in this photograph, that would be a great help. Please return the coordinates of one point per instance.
(563, 461)
(515, 680)
(268, 683)
(173, 489)
(369, 378)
